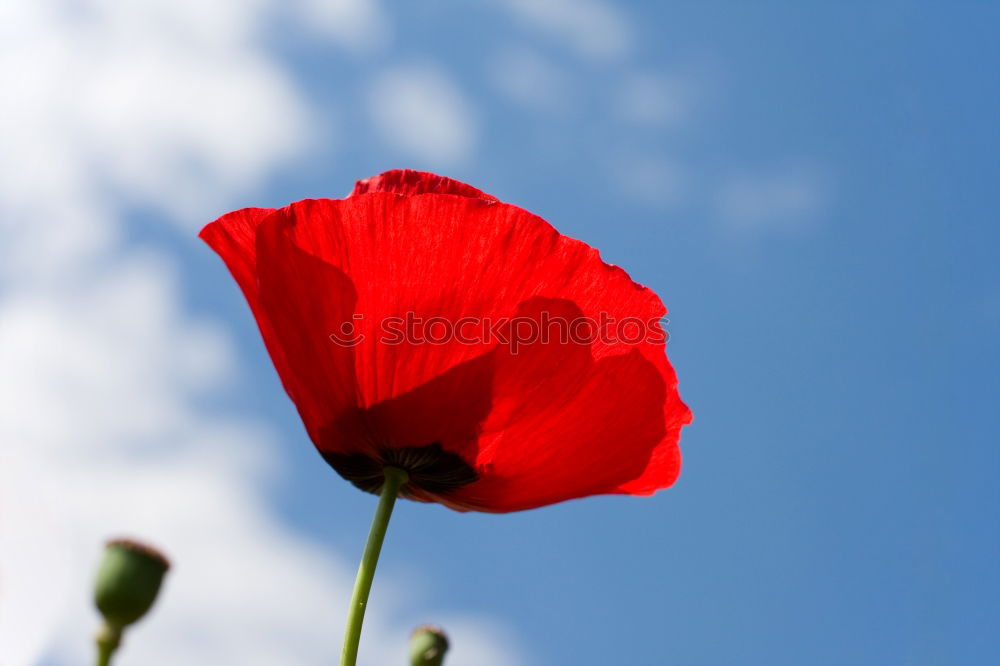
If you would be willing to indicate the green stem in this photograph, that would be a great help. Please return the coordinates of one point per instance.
(394, 480)
(108, 640)
(103, 656)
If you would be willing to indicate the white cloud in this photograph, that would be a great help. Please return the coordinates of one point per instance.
(653, 100)
(593, 29)
(786, 198)
(145, 98)
(530, 80)
(174, 106)
(420, 111)
(360, 25)
(650, 179)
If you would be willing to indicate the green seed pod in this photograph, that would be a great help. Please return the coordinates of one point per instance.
(128, 581)
(427, 646)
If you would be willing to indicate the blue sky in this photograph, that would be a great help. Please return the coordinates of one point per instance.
(811, 188)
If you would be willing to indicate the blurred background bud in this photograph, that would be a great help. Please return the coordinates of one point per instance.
(128, 581)
(427, 646)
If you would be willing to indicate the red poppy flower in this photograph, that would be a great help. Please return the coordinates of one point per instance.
(422, 324)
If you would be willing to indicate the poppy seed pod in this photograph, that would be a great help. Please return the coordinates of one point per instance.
(128, 582)
(428, 645)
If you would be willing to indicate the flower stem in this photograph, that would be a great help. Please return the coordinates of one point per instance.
(108, 640)
(394, 480)
(103, 656)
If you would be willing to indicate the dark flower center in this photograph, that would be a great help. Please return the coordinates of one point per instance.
(431, 468)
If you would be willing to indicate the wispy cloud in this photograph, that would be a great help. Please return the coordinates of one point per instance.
(361, 26)
(653, 100)
(114, 96)
(420, 111)
(525, 77)
(786, 198)
(593, 29)
(650, 179)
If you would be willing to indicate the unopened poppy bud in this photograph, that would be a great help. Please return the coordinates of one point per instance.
(128, 581)
(427, 646)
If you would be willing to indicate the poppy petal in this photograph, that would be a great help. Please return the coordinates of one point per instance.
(564, 425)
(445, 260)
(448, 410)
(234, 238)
(604, 436)
(309, 306)
(408, 183)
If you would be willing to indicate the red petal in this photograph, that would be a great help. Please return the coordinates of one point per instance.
(454, 258)
(234, 238)
(564, 425)
(408, 183)
(448, 410)
(305, 302)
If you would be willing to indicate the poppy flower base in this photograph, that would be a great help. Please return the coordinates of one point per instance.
(430, 468)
